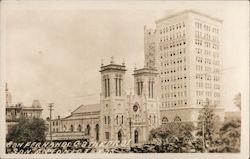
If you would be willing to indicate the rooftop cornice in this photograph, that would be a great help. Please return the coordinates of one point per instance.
(188, 11)
(113, 67)
(145, 70)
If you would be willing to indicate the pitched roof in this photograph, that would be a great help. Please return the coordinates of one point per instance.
(36, 103)
(87, 108)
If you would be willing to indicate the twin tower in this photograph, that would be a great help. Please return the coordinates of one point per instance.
(125, 117)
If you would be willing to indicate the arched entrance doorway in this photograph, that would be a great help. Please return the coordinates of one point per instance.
(79, 128)
(97, 132)
(164, 120)
(71, 128)
(88, 130)
(136, 136)
(119, 136)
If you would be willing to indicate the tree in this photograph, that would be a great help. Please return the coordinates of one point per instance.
(174, 136)
(208, 126)
(237, 100)
(27, 129)
(230, 135)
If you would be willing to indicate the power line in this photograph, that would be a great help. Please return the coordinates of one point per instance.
(93, 94)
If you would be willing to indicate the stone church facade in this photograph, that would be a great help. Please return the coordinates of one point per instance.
(132, 116)
(118, 116)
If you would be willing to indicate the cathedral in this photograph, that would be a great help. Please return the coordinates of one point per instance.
(118, 116)
(187, 78)
(128, 117)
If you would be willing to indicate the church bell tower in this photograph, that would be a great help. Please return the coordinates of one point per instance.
(114, 109)
(144, 108)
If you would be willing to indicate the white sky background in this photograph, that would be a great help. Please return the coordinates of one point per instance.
(54, 55)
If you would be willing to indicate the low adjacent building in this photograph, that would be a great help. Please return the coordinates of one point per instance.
(15, 111)
(82, 123)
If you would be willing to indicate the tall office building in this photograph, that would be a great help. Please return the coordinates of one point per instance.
(149, 47)
(187, 56)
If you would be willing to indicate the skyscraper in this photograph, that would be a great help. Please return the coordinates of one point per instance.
(187, 56)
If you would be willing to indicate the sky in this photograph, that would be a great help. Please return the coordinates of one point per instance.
(54, 54)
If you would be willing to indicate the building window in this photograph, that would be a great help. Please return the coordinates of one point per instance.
(136, 137)
(120, 88)
(107, 87)
(97, 132)
(139, 88)
(177, 119)
(164, 120)
(117, 86)
(88, 130)
(71, 128)
(151, 88)
(119, 136)
(79, 128)
(117, 119)
(107, 135)
(122, 119)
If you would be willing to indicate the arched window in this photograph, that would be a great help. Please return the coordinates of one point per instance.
(105, 119)
(119, 136)
(108, 120)
(116, 119)
(164, 120)
(122, 119)
(154, 118)
(97, 132)
(136, 136)
(79, 128)
(88, 130)
(177, 119)
(71, 128)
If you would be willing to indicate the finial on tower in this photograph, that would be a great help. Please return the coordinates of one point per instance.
(102, 63)
(123, 62)
(6, 86)
(135, 67)
(112, 61)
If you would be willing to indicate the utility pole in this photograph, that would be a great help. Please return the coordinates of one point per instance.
(51, 105)
(130, 132)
